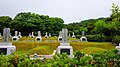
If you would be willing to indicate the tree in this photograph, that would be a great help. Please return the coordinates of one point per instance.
(31, 22)
(4, 22)
(100, 27)
(115, 12)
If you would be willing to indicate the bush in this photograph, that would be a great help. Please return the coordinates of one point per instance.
(96, 38)
(116, 39)
(78, 36)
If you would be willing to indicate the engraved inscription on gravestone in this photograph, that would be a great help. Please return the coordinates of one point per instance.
(6, 47)
(6, 34)
(64, 35)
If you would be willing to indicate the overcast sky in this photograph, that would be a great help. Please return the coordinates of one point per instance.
(69, 10)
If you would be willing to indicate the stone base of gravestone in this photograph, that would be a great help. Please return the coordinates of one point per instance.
(73, 37)
(6, 48)
(46, 36)
(83, 39)
(15, 38)
(19, 36)
(65, 49)
(38, 39)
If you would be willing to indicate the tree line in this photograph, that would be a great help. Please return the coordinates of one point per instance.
(102, 28)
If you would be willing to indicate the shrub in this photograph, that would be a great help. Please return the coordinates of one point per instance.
(116, 39)
(96, 38)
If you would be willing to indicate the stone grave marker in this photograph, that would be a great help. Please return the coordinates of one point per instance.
(46, 36)
(15, 38)
(69, 35)
(38, 38)
(32, 36)
(118, 48)
(49, 34)
(73, 36)
(64, 45)
(0, 35)
(19, 35)
(60, 36)
(6, 47)
(83, 38)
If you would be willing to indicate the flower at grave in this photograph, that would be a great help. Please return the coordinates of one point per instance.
(92, 62)
(17, 56)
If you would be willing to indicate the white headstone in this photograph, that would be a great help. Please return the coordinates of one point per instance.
(69, 35)
(49, 34)
(60, 36)
(6, 34)
(39, 34)
(16, 32)
(73, 36)
(19, 35)
(83, 38)
(64, 35)
(6, 47)
(46, 36)
(15, 38)
(0, 35)
(38, 38)
(64, 46)
(32, 36)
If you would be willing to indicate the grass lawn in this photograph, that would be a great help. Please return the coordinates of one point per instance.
(48, 45)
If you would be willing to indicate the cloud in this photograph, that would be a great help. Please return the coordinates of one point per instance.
(69, 10)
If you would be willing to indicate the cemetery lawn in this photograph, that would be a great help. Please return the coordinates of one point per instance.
(47, 48)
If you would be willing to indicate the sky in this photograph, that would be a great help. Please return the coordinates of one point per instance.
(69, 10)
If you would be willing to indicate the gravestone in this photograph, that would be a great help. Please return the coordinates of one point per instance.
(32, 36)
(19, 35)
(64, 45)
(118, 47)
(15, 38)
(0, 35)
(49, 34)
(83, 38)
(60, 36)
(69, 35)
(46, 36)
(6, 47)
(38, 38)
(10, 35)
(73, 36)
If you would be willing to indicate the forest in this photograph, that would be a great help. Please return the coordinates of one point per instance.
(100, 30)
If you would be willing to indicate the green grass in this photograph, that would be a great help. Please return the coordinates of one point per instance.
(47, 46)
(90, 50)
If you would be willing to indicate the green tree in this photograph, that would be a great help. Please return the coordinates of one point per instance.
(4, 22)
(115, 12)
(100, 27)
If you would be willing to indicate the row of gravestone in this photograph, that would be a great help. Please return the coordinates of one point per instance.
(7, 48)
(83, 38)
(39, 38)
